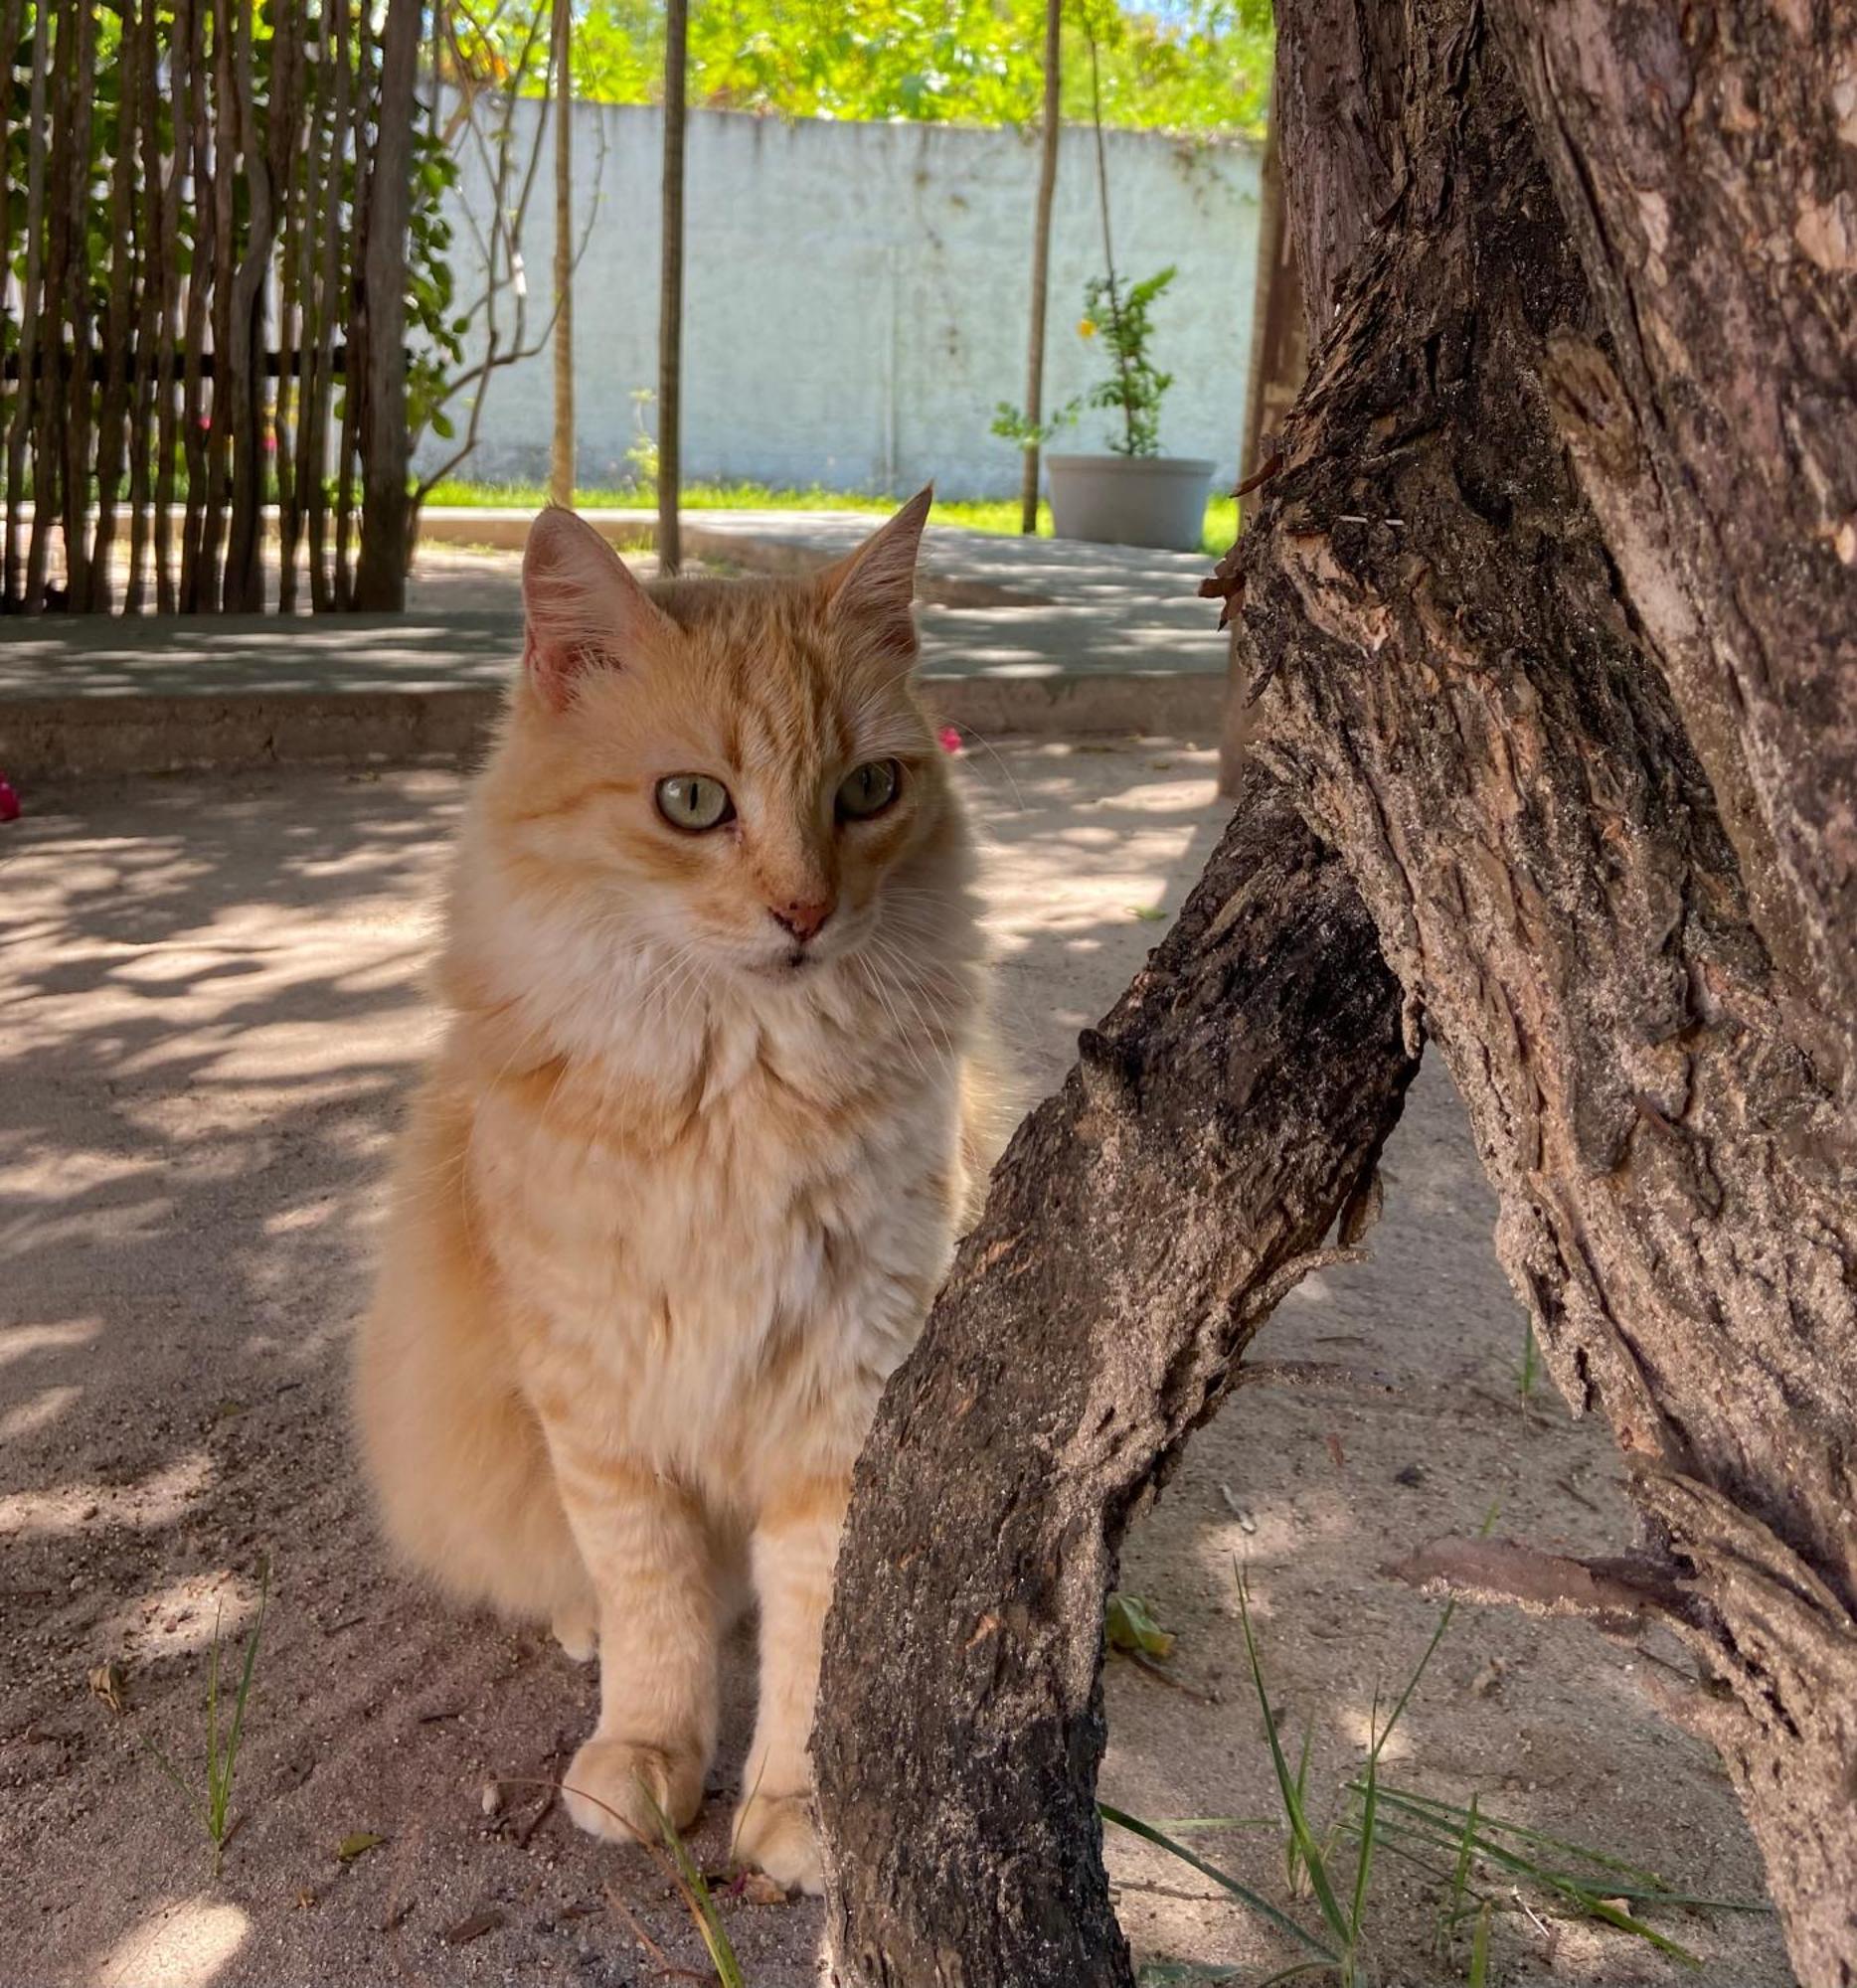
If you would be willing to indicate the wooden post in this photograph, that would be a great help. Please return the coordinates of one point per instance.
(1041, 261)
(387, 508)
(671, 289)
(561, 452)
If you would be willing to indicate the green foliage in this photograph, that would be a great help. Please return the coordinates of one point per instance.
(435, 330)
(1013, 424)
(1134, 385)
(1201, 66)
(435, 333)
(1131, 388)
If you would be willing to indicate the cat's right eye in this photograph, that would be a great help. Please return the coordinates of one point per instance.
(694, 802)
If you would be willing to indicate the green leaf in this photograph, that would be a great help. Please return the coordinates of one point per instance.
(1281, 1920)
(1129, 1625)
(358, 1844)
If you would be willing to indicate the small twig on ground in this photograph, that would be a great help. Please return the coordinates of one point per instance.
(551, 1794)
(654, 1952)
(1161, 1675)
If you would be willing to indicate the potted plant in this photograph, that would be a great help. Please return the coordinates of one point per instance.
(1135, 495)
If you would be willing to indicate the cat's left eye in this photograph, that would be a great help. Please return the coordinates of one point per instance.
(868, 789)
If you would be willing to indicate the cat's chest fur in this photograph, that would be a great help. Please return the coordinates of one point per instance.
(705, 1242)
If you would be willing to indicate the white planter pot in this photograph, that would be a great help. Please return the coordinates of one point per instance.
(1129, 500)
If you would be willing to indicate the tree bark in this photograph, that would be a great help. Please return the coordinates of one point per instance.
(1716, 437)
(1280, 351)
(1140, 1227)
(243, 384)
(1524, 779)
(386, 454)
(1511, 662)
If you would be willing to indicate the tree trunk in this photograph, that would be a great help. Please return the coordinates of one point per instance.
(1140, 1227)
(671, 293)
(1050, 135)
(1584, 747)
(561, 452)
(1280, 351)
(386, 456)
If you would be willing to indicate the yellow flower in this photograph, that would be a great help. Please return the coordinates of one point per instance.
(1085, 327)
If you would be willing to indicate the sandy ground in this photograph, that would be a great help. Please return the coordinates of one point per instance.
(212, 1011)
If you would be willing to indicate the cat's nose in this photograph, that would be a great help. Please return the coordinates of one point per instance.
(803, 918)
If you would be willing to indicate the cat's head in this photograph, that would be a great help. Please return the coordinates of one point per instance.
(737, 771)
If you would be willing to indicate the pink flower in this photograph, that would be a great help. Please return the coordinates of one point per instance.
(949, 737)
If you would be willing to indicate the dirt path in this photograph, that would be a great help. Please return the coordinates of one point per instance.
(212, 1009)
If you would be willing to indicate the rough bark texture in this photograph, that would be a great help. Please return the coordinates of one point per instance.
(386, 444)
(1580, 728)
(1142, 1226)
(1706, 167)
(1463, 678)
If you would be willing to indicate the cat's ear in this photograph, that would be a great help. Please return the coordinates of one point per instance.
(875, 586)
(581, 607)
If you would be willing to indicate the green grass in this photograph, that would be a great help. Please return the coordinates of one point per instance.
(978, 515)
(211, 1798)
(1531, 1363)
(1477, 1863)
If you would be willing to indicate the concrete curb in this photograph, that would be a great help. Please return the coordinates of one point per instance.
(254, 691)
(62, 739)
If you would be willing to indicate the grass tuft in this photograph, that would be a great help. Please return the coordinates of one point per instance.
(697, 1897)
(211, 1799)
(1452, 1844)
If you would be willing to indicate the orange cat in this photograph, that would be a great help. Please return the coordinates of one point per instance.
(677, 1193)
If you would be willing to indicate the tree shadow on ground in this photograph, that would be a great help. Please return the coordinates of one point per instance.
(215, 1008)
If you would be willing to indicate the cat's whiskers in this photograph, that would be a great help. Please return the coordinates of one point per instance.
(875, 975)
(908, 985)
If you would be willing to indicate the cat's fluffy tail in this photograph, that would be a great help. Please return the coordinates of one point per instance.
(456, 1456)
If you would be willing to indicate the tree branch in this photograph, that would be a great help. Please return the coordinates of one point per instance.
(1203, 1146)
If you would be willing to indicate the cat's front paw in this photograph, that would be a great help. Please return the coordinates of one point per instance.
(775, 1833)
(605, 1788)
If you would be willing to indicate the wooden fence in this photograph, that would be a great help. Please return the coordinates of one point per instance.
(205, 209)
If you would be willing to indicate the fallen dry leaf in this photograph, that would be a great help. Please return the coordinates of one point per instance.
(107, 1685)
(357, 1844)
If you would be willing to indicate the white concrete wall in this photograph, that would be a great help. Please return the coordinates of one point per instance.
(856, 298)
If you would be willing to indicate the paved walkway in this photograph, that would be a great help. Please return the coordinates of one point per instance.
(1018, 635)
